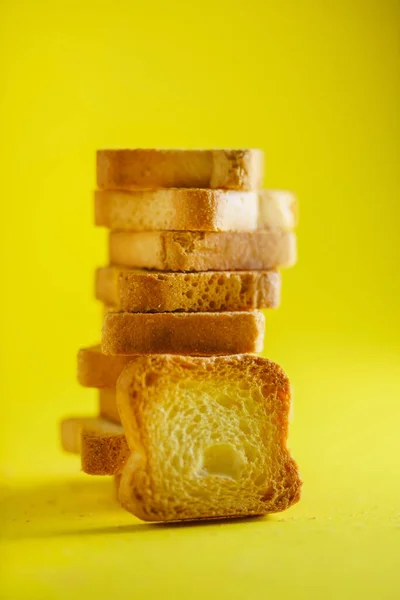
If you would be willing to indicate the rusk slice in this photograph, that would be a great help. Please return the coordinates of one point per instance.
(104, 452)
(195, 210)
(138, 168)
(207, 438)
(177, 209)
(151, 291)
(97, 370)
(101, 444)
(197, 334)
(71, 432)
(203, 251)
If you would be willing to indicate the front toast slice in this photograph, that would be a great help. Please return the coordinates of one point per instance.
(195, 210)
(142, 168)
(183, 333)
(207, 438)
(101, 444)
(133, 290)
(98, 370)
(203, 251)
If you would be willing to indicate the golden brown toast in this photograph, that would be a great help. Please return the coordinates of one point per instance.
(203, 251)
(207, 438)
(138, 290)
(141, 168)
(101, 444)
(183, 333)
(180, 209)
(95, 369)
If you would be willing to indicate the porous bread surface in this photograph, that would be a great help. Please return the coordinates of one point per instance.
(98, 370)
(108, 405)
(238, 169)
(133, 290)
(207, 438)
(183, 333)
(104, 453)
(203, 251)
(177, 209)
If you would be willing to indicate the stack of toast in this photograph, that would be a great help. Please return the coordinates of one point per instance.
(192, 422)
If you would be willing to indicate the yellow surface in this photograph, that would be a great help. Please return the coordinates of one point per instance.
(315, 84)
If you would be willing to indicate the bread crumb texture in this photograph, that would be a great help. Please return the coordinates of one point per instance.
(207, 438)
(194, 292)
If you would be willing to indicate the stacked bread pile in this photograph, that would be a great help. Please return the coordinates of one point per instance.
(192, 422)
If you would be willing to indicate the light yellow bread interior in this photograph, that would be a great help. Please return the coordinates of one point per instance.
(207, 437)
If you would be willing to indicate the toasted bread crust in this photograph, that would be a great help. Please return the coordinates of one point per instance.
(103, 453)
(137, 168)
(177, 210)
(203, 251)
(180, 209)
(101, 444)
(136, 394)
(143, 291)
(101, 456)
(183, 333)
(97, 370)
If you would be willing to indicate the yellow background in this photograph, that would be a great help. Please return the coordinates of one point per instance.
(314, 83)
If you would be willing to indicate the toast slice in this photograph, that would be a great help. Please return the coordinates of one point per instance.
(97, 370)
(183, 333)
(73, 428)
(139, 168)
(104, 452)
(132, 290)
(195, 210)
(101, 444)
(207, 438)
(203, 251)
(108, 405)
(177, 209)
